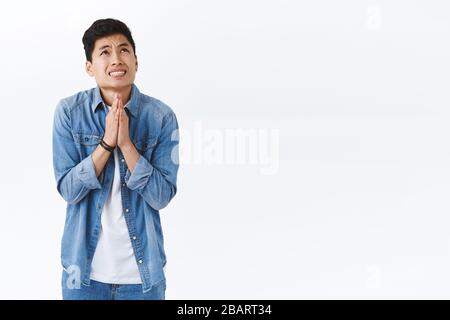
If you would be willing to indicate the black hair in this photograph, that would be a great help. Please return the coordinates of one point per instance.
(103, 28)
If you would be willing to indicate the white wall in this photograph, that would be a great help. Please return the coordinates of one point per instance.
(350, 101)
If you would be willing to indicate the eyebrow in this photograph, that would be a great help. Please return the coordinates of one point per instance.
(108, 46)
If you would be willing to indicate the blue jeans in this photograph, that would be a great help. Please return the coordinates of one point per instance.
(106, 291)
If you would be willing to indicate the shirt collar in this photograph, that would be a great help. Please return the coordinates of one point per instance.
(132, 105)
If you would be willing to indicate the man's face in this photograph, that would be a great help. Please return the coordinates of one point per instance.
(114, 63)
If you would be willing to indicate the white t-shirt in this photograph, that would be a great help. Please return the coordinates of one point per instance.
(114, 260)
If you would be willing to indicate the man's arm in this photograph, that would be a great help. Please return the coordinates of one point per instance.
(100, 156)
(75, 177)
(155, 181)
(130, 154)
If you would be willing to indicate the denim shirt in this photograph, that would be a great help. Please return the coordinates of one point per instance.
(78, 127)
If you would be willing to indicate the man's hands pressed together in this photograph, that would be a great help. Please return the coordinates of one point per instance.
(112, 123)
(117, 133)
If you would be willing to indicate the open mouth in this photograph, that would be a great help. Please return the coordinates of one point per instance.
(117, 74)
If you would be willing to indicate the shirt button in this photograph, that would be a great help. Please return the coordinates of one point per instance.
(134, 237)
(140, 261)
(126, 210)
(123, 160)
(123, 184)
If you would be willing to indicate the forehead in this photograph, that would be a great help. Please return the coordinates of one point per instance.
(112, 40)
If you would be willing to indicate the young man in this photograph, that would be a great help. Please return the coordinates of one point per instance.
(115, 158)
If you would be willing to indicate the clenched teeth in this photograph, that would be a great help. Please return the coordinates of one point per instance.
(117, 73)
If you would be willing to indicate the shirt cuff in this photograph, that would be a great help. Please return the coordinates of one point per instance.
(140, 175)
(86, 173)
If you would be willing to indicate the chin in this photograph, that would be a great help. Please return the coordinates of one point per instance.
(117, 84)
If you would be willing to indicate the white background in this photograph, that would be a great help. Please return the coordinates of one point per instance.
(359, 91)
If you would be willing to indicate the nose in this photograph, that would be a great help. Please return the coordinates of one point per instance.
(115, 59)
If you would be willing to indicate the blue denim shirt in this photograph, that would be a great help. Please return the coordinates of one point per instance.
(79, 124)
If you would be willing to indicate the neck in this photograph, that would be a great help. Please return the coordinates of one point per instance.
(108, 94)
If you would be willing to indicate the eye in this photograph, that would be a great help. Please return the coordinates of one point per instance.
(126, 50)
(104, 51)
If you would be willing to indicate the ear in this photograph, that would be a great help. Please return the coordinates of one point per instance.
(136, 64)
(88, 67)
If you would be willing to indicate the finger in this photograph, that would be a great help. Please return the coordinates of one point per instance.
(115, 110)
(120, 103)
(116, 114)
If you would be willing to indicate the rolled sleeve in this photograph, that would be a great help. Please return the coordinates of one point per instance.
(142, 171)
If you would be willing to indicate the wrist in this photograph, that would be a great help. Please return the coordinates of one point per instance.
(106, 146)
(108, 142)
(126, 145)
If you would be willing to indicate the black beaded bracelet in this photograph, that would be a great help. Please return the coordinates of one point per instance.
(106, 146)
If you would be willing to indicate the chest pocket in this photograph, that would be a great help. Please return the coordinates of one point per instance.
(146, 146)
(86, 143)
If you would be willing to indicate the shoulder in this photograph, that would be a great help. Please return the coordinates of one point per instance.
(76, 101)
(154, 105)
